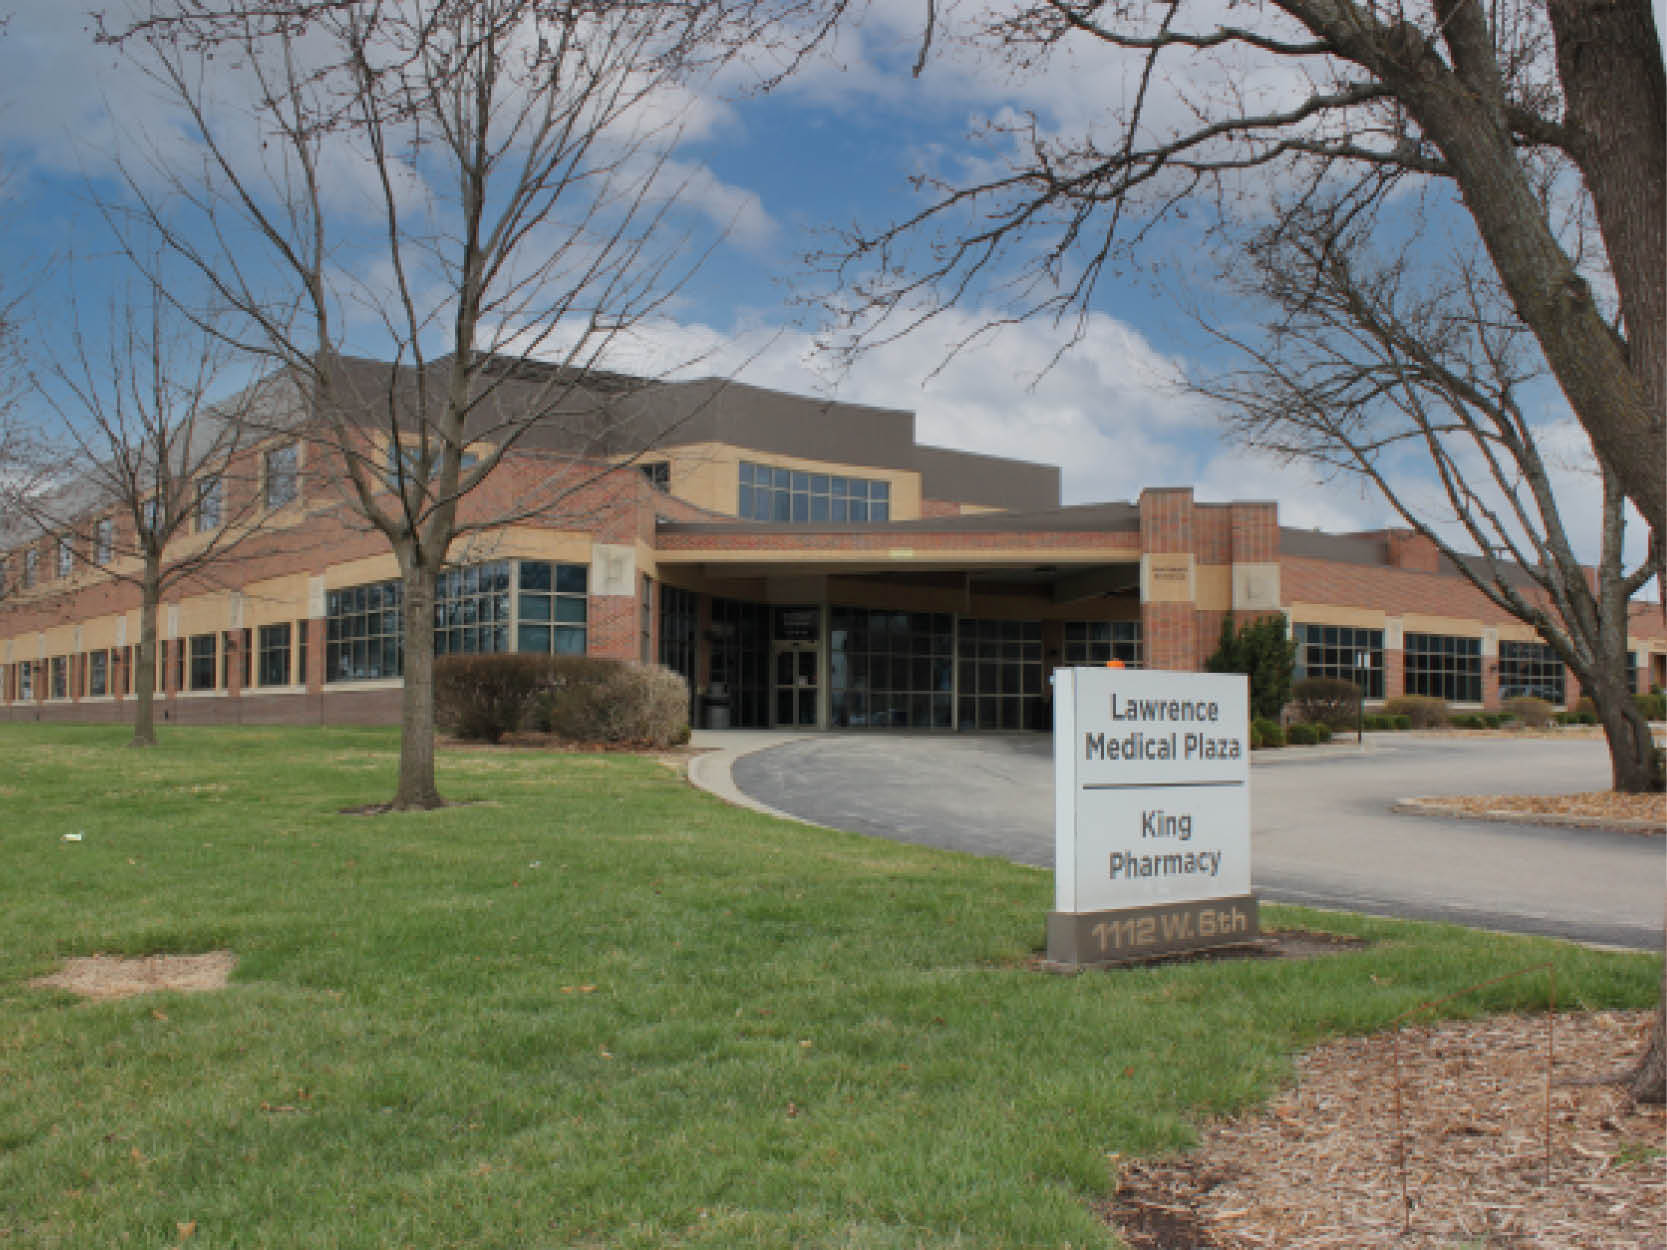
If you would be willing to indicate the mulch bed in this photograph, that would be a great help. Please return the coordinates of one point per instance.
(1320, 1169)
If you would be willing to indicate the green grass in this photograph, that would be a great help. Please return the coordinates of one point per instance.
(793, 1037)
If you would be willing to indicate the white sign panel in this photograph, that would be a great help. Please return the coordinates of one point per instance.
(1151, 788)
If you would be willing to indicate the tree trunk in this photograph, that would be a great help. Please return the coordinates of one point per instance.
(144, 679)
(416, 741)
(1615, 105)
(1634, 765)
(1648, 1080)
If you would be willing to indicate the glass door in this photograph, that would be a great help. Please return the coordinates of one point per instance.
(795, 668)
(796, 647)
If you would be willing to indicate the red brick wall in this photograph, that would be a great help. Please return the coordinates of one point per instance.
(1171, 635)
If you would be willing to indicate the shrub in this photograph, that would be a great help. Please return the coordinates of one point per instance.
(1377, 720)
(483, 697)
(579, 697)
(1532, 712)
(1322, 731)
(1400, 722)
(1261, 650)
(1652, 705)
(1469, 720)
(1302, 734)
(1266, 733)
(1331, 700)
(1422, 711)
(1493, 720)
(611, 701)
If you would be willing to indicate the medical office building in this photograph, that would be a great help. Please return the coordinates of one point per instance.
(803, 563)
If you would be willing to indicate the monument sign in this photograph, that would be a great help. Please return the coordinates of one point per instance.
(1151, 814)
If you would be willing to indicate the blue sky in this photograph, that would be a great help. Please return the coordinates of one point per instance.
(836, 144)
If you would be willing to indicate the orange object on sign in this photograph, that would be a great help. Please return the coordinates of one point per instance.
(1114, 663)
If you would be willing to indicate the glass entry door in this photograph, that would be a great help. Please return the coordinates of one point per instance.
(795, 668)
(796, 654)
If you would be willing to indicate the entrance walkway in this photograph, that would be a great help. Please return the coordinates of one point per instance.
(1322, 830)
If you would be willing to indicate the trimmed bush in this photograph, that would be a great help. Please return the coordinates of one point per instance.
(1400, 722)
(1378, 721)
(1469, 720)
(616, 702)
(579, 697)
(1532, 712)
(1302, 734)
(1266, 733)
(1493, 720)
(1330, 700)
(1422, 711)
(1652, 705)
(483, 697)
(1322, 731)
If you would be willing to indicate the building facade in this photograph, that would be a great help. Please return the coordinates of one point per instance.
(802, 563)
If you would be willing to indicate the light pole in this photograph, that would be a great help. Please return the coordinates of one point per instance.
(1362, 666)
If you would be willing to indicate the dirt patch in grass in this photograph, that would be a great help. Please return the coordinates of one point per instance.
(1321, 1170)
(113, 976)
(1599, 809)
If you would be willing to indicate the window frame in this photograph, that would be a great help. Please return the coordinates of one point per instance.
(104, 540)
(1438, 669)
(208, 514)
(281, 485)
(1331, 645)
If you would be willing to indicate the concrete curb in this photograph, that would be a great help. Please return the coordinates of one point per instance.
(711, 770)
(1418, 807)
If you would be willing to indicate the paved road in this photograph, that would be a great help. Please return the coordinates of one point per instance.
(1322, 831)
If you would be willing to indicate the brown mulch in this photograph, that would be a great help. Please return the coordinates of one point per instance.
(112, 976)
(1640, 813)
(1319, 1169)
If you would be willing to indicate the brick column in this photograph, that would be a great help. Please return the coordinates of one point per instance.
(1168, 613)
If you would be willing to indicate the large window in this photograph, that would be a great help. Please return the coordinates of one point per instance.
(472, 616)
(283, 474)
(273, 666)
(891, 668)
(551, 606)
(66, 557)
(679, 626)
(98, 674)
(1098, 642)
(1531, 668)
(793, 495)
(1001, 675)
(209, 495)
(202, 669)
(31, 567)
(362, 632)
(104, 540)
(1443, 667)
(60, 677)
(1336, 651)
(26, 681)
(471, 610)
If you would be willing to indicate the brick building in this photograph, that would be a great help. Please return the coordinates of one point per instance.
(801, 562)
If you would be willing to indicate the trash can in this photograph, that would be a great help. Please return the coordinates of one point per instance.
(717, 707)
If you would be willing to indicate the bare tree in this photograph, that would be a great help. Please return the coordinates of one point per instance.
(1364, 371)
(1540, 118)
(144, 475)
(1419, 390)
(479, 192)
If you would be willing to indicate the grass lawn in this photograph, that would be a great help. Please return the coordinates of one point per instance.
(597, 1008)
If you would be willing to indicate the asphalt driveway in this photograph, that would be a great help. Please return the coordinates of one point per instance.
(1321, 825)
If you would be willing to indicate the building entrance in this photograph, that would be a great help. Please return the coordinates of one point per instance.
(796, 661)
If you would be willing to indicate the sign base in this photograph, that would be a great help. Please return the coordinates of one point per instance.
(1126, 935)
